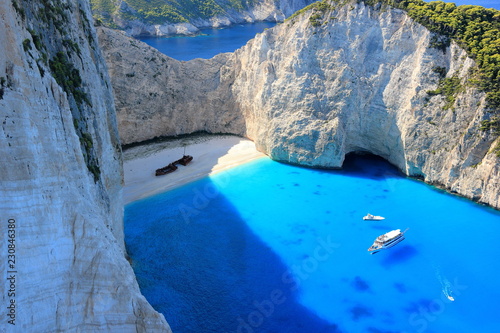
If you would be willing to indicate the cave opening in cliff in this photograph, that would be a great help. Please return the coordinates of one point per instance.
(366, 164)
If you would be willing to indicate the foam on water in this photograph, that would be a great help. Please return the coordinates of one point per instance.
(268, 247)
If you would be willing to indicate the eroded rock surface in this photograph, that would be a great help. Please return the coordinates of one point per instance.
(61, 179)
(357, 82)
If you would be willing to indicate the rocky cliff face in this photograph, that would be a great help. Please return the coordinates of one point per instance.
(126, 17)
(63, 261)
(326, 83)
(173, 97)
(359, 83)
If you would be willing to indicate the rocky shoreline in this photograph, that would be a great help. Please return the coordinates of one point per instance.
(262, 11)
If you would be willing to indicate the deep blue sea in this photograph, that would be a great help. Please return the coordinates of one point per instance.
(210, 43)
(270, 247)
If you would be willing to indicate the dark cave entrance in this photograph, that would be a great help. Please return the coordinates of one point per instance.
(366, 164)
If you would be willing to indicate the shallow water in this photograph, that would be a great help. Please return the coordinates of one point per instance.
(209, 43)
(269, 247)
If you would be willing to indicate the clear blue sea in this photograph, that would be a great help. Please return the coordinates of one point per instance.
(485, 3)
(269, 247)
(210, 43)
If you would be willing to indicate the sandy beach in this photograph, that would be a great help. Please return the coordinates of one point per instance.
(211, 154)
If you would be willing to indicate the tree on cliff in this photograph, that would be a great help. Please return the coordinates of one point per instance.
(163, 11)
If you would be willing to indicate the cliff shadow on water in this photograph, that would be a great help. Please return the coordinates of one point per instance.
(226, 253)
(199, 264)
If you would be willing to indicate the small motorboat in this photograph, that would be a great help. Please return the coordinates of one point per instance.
(387, 240)
(370, 217)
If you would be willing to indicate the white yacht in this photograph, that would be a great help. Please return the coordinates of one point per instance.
(387, 240)
(370, 217)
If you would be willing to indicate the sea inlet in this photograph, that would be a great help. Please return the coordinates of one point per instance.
(270, 247)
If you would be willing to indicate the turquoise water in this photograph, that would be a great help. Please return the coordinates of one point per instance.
(269, 247)
(210, 43)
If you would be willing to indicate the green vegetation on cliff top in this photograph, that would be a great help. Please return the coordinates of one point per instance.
(474, 28)
(164, 11)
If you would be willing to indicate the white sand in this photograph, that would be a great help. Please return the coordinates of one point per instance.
(211, 154)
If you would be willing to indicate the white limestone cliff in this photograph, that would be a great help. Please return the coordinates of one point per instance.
(61, 181)
(310, 95)
(173, 97)
(359, 83)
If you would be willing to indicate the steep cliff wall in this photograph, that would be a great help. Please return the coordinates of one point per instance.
(188, 17)
(174, 97)
(359, 82)
(335, 79)
(61, 179)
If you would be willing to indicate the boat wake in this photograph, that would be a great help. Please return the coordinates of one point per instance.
(445, 285)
